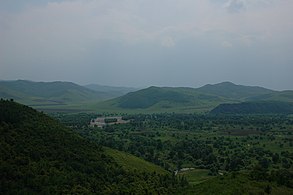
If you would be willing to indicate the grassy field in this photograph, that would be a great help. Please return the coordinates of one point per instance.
(236, 184)
(196, 176)
(133, 163)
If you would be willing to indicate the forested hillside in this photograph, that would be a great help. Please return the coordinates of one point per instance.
(269, 107)
(40, 156)
(217, 154)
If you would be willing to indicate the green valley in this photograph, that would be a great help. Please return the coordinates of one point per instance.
(222, 138)
(214, 153)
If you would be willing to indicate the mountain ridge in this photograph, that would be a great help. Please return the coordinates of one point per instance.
(185, 99)
(49, 93)
(60, 95)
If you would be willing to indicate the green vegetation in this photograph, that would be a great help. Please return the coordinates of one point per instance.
(230, 90)
(206, 149)
(196, 176)
(236, 183)
(162, 99)
(190, 100)
(243, 146)
(38, 155)
(255, 108)
(71, 98)
(146, 98)
(49, 94)
(133, 163)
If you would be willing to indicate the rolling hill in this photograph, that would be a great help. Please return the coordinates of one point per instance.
(38, 155)
(52, 93)
(69, 97)
(233, 91)
(182, 99)
(158, 99)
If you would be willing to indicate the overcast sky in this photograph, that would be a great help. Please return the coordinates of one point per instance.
(148, 42)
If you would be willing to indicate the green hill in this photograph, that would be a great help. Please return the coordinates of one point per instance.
(47, 93)
(232, 91)
(188, 100)
(40, 156)
(133, 163)
(284, 96)
(162, 99)
(265, 107)
(69, 97)
(148, 97)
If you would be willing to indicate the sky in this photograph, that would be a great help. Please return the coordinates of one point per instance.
(139, 43)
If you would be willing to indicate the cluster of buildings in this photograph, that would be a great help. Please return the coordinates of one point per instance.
(101, 122)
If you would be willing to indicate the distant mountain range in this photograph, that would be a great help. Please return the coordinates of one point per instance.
(94, 97)
(203, 99)
(110, 90)
(57, 93)
(232, 91)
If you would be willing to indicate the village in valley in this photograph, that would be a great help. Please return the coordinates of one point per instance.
(101, 122)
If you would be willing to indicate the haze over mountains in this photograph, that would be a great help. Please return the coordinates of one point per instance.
(53, 95)
(57, 93)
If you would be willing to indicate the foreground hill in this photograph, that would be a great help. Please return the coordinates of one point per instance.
(40, 156)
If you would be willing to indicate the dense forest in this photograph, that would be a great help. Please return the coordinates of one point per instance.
(254, 149)
(194, 154)
(41, 156)
(262, 107)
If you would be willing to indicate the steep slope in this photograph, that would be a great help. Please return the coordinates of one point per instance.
(40, 156)
(264, 107)
(232, 91)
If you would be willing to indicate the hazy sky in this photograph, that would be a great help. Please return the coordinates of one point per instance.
(148, 42)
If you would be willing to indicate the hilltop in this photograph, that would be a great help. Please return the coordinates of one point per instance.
(233, 91)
